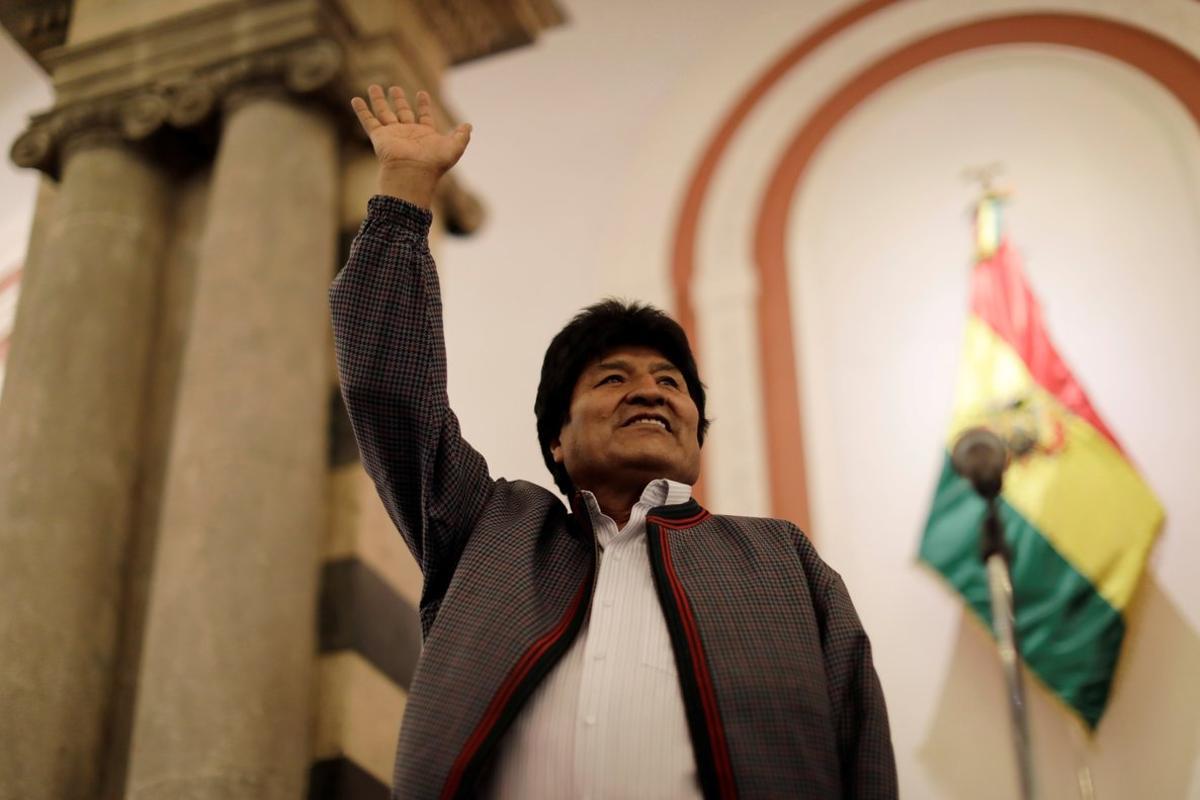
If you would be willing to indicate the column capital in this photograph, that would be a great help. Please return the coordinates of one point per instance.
(161, 73)
(103, 121)
(168, 104)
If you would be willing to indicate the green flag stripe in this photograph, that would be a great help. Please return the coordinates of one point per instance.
(1069, 635)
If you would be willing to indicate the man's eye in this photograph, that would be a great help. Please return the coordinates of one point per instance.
(669, 381)
(609, 379)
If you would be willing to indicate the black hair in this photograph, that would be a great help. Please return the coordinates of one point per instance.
(595, 331)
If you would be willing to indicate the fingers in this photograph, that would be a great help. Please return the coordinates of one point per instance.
(379, 103)
(380, 111)
(402, 107)
(365, 117)
(424, 109)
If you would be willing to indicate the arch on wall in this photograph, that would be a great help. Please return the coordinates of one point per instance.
(1171, 66)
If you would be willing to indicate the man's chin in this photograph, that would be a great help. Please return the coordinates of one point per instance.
(647, 466)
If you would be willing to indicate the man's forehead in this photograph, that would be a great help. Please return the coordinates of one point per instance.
(633, 356)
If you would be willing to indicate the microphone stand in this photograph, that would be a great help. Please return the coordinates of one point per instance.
(996, 556)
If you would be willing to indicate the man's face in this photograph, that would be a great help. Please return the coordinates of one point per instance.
(631, 420)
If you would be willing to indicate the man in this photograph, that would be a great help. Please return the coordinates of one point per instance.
(635, 646)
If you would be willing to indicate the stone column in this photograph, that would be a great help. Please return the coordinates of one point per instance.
(70, 429)
(174, 318)
(223, 708)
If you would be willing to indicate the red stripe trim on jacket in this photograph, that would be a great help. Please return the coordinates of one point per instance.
(500, 700)
(679, 524)
(708, 697)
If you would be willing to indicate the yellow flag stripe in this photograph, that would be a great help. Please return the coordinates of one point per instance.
(1071, 483)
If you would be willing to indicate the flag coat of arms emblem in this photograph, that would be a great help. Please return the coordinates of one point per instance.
(1079, 520)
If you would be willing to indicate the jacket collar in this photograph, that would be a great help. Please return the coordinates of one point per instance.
(680, 515)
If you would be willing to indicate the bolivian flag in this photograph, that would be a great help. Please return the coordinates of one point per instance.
(1079, 520)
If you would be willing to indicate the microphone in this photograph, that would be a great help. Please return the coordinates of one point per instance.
(980, 456)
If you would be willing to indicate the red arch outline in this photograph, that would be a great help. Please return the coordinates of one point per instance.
(1174, 68)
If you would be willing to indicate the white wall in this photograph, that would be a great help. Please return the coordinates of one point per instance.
(24, 88)
(1106, 169)
(565, 154)
(583, 146)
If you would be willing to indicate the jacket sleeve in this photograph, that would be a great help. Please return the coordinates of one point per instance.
(387, 324)
(868, 765)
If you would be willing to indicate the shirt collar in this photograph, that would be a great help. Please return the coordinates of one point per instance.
(665, 492)
(658, 492)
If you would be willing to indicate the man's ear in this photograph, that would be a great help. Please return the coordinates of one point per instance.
(556, 451)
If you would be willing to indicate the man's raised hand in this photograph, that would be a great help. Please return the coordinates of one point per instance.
(413, 155)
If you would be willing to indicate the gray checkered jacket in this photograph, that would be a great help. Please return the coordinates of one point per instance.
(781, 696)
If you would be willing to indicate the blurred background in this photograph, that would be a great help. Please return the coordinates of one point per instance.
(200, 590)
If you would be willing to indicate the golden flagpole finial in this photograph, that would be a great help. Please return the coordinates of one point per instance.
(987, 208)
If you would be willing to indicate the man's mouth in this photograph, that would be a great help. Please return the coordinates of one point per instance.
(647, 419)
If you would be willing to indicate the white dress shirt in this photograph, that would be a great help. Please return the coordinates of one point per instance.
(608, 722)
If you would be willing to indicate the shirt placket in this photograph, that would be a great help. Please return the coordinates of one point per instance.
(593, 728)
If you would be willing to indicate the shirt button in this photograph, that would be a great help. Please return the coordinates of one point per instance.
(590, 719)
(607, 602)
(599, 656)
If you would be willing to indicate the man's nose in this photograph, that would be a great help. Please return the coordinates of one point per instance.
(646, 391)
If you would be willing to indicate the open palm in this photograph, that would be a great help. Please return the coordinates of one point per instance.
(406, 140)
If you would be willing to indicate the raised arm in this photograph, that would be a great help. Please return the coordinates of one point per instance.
(387, 323)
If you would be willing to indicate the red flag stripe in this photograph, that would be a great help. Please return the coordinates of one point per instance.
(1001, 298)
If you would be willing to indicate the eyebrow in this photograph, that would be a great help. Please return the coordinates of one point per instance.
(625, 366)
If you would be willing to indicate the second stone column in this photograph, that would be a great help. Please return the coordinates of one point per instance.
(225, 682)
